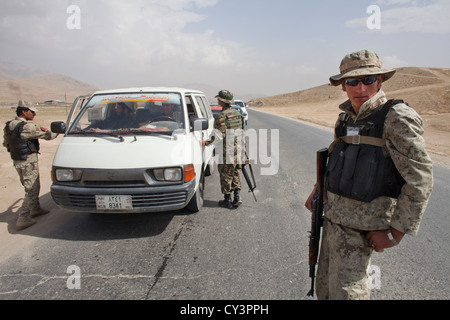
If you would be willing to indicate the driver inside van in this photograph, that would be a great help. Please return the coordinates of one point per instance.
(171, 109)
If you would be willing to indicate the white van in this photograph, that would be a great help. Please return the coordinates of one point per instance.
(134, 150)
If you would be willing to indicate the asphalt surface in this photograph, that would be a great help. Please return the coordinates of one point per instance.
(256, 252)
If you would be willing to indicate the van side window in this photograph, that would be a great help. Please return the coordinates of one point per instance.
(203, 107)
(207, 105)
(192, 112)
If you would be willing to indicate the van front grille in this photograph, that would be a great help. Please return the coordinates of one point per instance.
(139, 201)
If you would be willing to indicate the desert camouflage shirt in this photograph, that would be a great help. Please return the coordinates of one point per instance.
(30, 132)
(405, 144)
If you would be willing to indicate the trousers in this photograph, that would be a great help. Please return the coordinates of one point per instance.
(29, 177)
(229, 177)
(343, 263)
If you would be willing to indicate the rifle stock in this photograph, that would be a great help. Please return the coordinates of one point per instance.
(317, 215)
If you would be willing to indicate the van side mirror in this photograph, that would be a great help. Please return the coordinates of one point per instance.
(58, 127)
(199, 124)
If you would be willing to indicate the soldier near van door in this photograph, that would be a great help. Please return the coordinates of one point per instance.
(230, 124)
(20, 137)
(378, 178)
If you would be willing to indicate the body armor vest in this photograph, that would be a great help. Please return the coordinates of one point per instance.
(233, 119)
(18, 148)
(361, 171)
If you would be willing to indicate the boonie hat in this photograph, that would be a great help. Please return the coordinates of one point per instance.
(361, 63)
(225, 96)
(25, 104)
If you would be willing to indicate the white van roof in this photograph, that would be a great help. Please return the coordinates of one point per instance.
(149, 89)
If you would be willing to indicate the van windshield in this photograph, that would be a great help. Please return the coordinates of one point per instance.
(137, 113)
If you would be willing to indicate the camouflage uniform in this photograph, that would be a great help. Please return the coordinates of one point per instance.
(345, 252)
(28, 171)
(231, 166)
(229, 129)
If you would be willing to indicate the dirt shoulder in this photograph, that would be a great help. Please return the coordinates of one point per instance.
(11, 190)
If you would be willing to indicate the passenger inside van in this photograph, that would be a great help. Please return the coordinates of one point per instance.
(122, 118)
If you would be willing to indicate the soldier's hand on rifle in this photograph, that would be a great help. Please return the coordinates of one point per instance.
(308, 203)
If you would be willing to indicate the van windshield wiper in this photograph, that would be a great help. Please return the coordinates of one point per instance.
(143, 132)
(118, 136)
(122, 133)
(90, 133)
(111, 134)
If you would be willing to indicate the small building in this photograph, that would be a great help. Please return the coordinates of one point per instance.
(54, 103)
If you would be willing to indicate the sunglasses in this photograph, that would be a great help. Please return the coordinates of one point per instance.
(352, 82)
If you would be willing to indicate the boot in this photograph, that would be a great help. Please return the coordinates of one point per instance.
(38, 212)
(226, 203)
(24, 222)
(237, 198)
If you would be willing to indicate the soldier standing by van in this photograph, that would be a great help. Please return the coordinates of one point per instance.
(21, 139)
(378, 178)
(229, 122)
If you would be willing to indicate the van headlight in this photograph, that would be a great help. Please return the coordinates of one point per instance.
(168, 174)
(66, 175)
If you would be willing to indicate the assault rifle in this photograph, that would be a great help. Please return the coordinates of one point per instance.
(250, 182)
(317, 216)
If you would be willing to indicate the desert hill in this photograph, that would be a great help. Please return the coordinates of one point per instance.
(421, 87)
(19, 82)
(427, 90)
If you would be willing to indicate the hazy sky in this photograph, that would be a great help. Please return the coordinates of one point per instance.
(261, 47)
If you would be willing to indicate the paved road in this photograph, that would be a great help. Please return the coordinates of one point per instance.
(256, 252)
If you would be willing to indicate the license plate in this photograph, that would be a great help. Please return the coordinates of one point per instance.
(113, 202)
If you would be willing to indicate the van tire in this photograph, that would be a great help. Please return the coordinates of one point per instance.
(196, 202)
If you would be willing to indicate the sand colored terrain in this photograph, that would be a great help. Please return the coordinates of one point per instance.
(12, 193)
(40, 88)
(427, 90)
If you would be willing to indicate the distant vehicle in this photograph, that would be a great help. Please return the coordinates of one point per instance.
(215, 109)
(240, 103)
(134, 150)
(243, 106)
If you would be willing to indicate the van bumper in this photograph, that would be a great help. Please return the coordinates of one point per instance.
(144, 199)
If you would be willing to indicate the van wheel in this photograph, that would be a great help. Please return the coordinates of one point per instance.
(196, 202)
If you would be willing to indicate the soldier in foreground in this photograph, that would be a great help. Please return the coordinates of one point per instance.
(378, 178)
(20, 137)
